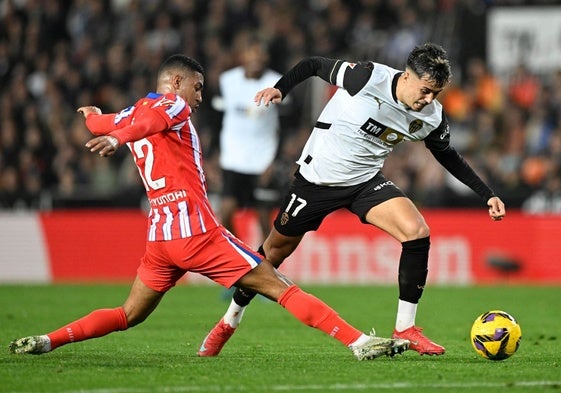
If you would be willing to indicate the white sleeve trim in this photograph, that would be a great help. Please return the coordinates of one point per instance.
(341, 74)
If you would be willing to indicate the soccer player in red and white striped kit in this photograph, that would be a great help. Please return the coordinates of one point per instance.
(183, 233)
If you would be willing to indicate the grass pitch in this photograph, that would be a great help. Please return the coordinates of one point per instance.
(272, 351)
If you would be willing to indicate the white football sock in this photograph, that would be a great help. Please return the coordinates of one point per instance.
(46, 344)
(359, 341)
(234, 314)
(406, 313)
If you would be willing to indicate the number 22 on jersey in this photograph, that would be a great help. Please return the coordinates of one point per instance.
(144, 149)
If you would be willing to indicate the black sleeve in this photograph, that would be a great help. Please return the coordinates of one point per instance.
(457, 166)
(355, 77)
(438, 142)
(439, 138)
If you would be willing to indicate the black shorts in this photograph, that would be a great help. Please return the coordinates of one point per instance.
(306, 204)
(240, 186)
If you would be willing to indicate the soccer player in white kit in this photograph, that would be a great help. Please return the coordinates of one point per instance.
(249, 138)
(374, 108)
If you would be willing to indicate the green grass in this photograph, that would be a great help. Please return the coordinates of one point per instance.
(272, 351)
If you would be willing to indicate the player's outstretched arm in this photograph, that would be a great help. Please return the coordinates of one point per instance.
(496, 208)
(96, 122)
(104, 145)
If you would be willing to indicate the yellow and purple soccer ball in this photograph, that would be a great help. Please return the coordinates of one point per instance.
(495, 335)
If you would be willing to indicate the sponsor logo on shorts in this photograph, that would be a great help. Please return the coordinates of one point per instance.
(382, 185)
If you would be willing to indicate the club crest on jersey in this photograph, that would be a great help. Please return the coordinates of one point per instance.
(415, 126)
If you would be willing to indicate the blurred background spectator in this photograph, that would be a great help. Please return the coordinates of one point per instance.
(249, 136)
(58, 55)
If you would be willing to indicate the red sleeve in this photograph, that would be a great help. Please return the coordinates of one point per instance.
(101, 124)
(148, 124)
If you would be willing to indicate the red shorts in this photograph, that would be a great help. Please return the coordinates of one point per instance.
(216, 254)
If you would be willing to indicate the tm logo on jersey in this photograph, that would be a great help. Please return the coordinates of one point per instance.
(373, 127)
(386, 134)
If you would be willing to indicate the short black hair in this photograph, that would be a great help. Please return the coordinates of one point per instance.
(256, 39)
(181, 61)
(430, 60)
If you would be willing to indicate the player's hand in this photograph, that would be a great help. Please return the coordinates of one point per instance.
(105, 145)
(88, 110)
(268, 96)
(496, 208)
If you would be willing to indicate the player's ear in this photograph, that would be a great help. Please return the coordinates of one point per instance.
(176, 81)
(406, 74)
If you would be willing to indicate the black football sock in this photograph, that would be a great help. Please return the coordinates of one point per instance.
(413, 269)
(243, 297)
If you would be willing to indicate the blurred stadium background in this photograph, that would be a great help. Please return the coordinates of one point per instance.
(504, 106)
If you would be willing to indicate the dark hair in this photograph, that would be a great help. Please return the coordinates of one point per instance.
(256, 39)
(181, 61)
(430, 60)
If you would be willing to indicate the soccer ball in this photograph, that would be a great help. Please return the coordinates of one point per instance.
(495, 335)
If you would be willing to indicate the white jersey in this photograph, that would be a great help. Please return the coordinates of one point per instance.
(354, 134)
(249, 137)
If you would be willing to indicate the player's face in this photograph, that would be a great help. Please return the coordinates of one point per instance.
(254, 59)
(191, 89)
(417, 92)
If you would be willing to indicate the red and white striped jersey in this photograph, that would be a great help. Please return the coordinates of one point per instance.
(169, 162)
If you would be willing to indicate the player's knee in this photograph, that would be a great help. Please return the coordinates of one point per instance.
(423, 231)
(264, 280)
(275, 256)
(416, 230)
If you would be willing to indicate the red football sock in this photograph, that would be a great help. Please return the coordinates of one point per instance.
(96, 324)
(315, 313)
